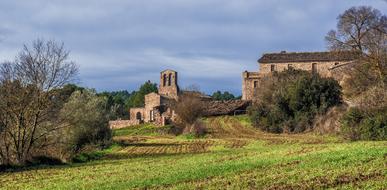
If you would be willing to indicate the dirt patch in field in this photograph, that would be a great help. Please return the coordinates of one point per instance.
(235, 143)
(325, 182)
(126, 141)
(305, 150)
(288, 164)
(161, 148)
(231, 127)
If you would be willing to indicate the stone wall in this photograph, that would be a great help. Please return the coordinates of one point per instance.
(168, 84)
(152, 101)
(118, 124)
(134, 113)
(249, 78)
(325, 69)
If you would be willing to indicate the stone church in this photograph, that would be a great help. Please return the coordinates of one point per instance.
(327, 64)
(157, 109)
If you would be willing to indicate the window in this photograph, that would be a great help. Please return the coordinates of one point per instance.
(255, 84)
(290, 66)
(151, 115)
(169, 79)
(164, 79)
(272, 68)
(314, 67)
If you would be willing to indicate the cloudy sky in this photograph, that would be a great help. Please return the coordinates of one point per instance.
(119, 44)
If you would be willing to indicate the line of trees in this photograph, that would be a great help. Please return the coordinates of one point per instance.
(218, 95)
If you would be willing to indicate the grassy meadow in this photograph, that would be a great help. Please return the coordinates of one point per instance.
(233, 155)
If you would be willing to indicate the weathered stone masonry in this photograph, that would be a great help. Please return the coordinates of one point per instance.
(158, 110)
(324, 63)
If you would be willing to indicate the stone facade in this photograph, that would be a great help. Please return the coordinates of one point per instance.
(323, 63)
(168, 84)
(158, 109)
(157, 105)
(118, 124)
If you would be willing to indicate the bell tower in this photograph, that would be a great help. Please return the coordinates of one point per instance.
(168, 84)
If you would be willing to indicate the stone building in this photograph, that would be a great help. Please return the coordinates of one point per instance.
(158, 110)
(324, 63)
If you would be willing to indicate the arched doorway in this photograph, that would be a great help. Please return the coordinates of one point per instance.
(138, 116)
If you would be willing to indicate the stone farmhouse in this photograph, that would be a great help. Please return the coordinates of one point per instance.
(327, 64)
(158, 110)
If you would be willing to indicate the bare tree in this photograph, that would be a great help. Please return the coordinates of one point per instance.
(189, 108)
(363, 29)
(28, 92)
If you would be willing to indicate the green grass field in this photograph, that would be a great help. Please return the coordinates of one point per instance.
(232, 156)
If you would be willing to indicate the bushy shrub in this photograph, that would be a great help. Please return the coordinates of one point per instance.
(358, 124)
(290, 100)
(88, 117)
(86, 157)
(189, 108)
(44, 160)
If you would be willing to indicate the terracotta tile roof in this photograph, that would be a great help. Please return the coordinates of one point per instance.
(284, 57)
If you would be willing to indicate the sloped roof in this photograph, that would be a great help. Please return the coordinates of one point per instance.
(195, 94)
(215, 108)
(284, 57)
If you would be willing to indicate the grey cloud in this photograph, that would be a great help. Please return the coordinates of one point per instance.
(120, 44)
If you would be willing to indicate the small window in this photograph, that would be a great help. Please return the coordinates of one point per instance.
(151, 115)
(272, 68)
(255, 84)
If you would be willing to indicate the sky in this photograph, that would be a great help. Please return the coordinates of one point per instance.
(120, 44)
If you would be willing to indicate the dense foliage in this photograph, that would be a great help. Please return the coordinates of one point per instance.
(87, 115)
(290, 100)
(218, 95)
(120, 102)
(138, 97)
(117, 102)
(360, 125)
(368, 119)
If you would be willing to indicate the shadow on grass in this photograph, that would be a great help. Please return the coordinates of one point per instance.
(146, 150)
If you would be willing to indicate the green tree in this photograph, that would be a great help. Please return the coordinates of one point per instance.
(88, 117)
(218, 95)
(116, 103)
(138, 97)
(291, 105)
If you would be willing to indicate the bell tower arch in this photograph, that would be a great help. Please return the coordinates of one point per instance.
(168, 83)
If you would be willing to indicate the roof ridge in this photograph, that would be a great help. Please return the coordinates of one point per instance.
(308, 56)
